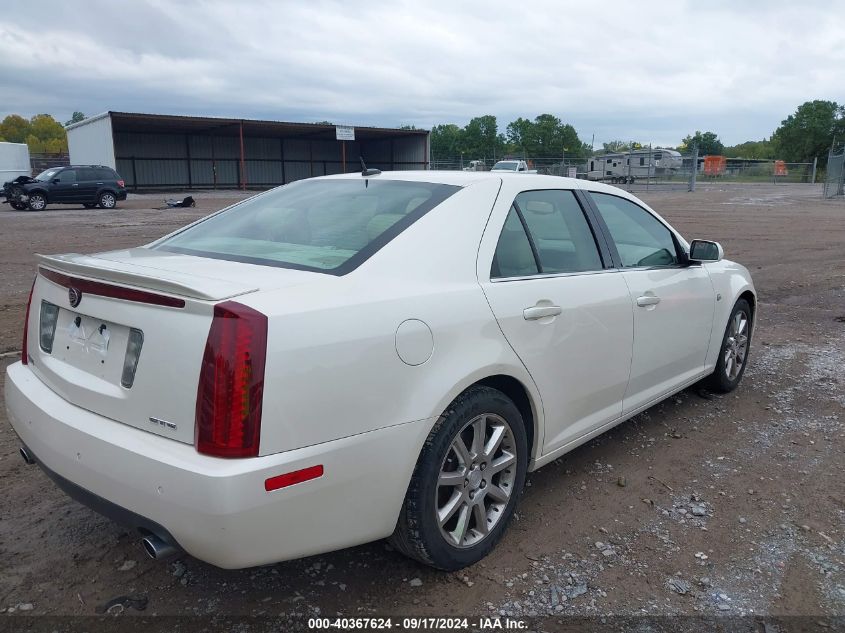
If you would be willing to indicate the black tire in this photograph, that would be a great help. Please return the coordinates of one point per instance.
(37, 201)
(89, 205)
(418, 533)
(107, 200)
(725, 378)
(18, 206)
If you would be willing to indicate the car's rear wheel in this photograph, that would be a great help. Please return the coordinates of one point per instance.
(37, 202)
(107, 200)
(466, 483)
(733, 354)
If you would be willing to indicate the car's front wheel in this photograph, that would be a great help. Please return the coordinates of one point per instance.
(37, 202)
(733, 354)
(466, 483)
(107, 200)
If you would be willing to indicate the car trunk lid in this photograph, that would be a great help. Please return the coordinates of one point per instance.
(99, 308)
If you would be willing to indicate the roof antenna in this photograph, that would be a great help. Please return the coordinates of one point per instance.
(368, 172)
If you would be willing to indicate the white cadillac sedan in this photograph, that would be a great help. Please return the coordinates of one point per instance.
(355, 357)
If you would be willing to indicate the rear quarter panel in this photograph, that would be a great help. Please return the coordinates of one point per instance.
(332, 366)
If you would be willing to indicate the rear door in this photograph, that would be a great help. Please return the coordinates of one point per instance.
(562, 308)
(673, 303)
(88, 184)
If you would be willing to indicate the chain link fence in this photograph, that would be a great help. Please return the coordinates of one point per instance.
(655, 169)
(834, 181)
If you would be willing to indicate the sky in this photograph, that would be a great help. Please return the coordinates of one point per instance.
(646, 71)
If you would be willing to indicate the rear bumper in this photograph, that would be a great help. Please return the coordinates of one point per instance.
(217, 509)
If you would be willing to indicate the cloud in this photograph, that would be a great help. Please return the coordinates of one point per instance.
(645, 71)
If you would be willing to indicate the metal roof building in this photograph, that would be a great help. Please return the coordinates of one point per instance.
(166, 151)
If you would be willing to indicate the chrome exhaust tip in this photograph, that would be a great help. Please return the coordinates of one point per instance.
(157, 548)
(29, 459)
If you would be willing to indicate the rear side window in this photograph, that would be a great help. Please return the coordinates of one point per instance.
(86, 174)
(640, 238)
(104, 173)
(330, 225)
(559, 239)
(514, 257)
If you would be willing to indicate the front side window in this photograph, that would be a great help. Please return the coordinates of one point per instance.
(330, 225)
(640, 238)
(66, 175)
(559, 239)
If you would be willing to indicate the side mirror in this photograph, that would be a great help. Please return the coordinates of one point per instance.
(705, 251)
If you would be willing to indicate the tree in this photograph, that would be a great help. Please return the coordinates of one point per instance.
(45, 127)
(480, 138)
(519, 135)
(76, 118)
(708, 144)
(613, 147)
(752, 149)
(544, 137)
(445, 141)
(14, 128)
(809, 132)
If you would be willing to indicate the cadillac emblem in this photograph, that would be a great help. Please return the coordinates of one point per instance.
(74, 296)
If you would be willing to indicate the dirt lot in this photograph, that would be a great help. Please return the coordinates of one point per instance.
(730, 505)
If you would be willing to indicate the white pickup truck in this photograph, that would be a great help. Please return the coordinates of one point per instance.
(513, 165)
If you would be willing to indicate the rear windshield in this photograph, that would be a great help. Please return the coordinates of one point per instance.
(329, 226)
(505, 166)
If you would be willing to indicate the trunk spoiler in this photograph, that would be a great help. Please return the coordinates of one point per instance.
(144, 277)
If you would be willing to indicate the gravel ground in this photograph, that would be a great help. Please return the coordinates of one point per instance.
(703, 505)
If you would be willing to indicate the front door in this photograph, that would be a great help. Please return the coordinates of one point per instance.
(67, 188)
(565, 313)
(673, 303)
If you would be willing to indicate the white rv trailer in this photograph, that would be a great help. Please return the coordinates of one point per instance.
(630, 166)
(14, 161)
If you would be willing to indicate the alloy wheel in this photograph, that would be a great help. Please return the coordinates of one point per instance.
(476, 480)
(37, 202)
(736, 345)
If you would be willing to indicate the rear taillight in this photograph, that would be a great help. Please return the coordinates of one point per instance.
(130, 361)
(47, 326)
(231, 383)
(121, 183)
(24, 353)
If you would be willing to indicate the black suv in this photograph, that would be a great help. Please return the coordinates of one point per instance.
(89, 185)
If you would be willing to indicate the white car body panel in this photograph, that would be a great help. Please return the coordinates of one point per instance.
(349, 381)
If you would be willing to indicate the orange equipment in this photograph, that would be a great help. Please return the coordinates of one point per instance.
(780, 168)
(715, 165)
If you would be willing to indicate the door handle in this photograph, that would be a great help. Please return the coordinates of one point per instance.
(75, 184)
(647, 300)
(539, 312)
